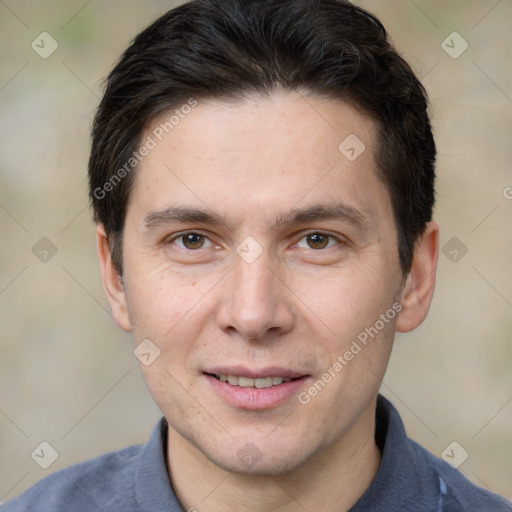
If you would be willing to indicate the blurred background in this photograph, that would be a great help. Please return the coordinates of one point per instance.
(68, 376)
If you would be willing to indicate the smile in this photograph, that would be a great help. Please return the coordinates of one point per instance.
(255, 390)
(247, 382)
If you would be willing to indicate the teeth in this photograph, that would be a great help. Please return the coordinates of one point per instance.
(233, 380)
(267, 382)
(247, 382)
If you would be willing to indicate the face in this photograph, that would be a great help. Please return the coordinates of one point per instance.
(257, 252)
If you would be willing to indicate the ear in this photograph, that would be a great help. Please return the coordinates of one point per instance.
(112, 281)
(419, 286)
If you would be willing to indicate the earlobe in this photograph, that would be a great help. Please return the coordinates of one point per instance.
(112, 282)
(420, 283)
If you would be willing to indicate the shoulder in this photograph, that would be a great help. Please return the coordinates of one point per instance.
(409, 474)
(103, 483)
(456, 492)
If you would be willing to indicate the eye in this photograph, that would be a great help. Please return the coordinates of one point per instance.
(317, 241)
(191, 241)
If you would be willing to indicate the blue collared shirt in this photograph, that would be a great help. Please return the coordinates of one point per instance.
(135, 479)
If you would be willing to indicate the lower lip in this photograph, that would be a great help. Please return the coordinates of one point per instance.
(254, 398)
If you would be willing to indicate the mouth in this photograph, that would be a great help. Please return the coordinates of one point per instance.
(255, 390)
(248, 382)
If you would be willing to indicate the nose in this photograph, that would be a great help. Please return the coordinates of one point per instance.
(256, 303)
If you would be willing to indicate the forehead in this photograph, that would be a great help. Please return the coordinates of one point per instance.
(260, 155)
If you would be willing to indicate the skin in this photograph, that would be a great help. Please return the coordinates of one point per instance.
(251, 162)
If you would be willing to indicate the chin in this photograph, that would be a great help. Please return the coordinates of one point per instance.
(261, 457)
(259, 463)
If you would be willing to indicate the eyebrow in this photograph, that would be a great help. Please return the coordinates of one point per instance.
(339, 211)
(182, 215)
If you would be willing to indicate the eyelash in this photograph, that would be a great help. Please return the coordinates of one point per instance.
(206, 238)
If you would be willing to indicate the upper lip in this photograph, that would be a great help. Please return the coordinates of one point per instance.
(242, 371)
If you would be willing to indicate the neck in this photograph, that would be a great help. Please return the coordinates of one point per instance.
(332, 480)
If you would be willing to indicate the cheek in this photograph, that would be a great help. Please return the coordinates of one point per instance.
(357, 341)
(170, 309)
(345, 300)
(166, 304)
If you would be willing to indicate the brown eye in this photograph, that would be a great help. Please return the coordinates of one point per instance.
(317, 241)
(191, 241)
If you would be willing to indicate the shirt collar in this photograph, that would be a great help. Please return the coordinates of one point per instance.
(153, 490)
(401, 482)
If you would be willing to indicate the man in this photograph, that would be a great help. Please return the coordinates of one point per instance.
(262, 179)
